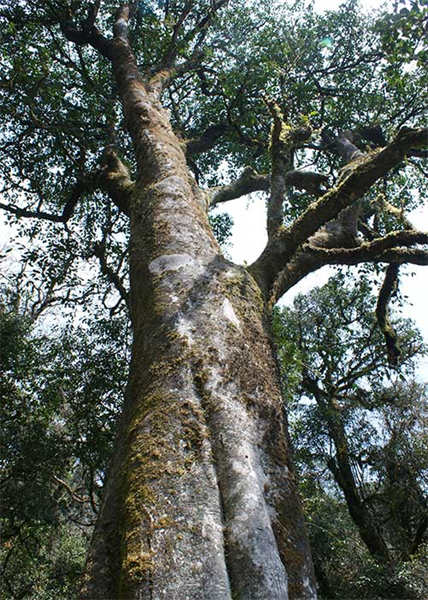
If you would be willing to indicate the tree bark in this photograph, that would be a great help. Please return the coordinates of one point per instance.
(201, 500)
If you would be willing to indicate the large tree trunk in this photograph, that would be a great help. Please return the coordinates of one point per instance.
(201, 501)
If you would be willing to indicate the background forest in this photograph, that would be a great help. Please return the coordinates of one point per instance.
(356, 408)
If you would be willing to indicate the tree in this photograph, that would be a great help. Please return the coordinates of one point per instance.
(357, 422)
(118, 119)
(60, 392)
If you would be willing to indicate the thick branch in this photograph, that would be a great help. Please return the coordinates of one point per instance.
(343, 230)
(398, 255)
(121, 24)
(418, 153)
(248, 182)
(284, 138)
(310, 259)
(361, 175)
(386, 291)
(373, 134)
(309, 181)
(343, 145)
(281, 161)
(162, 78)
(356, 256)
(89, 34)
(378, 245)
(388, 286)
(114, 178)
(168, 68)
(207, 140)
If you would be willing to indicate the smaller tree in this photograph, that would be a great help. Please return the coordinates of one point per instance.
(357, 423)
(59, 396)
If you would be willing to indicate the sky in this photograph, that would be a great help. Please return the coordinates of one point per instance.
(321, 5)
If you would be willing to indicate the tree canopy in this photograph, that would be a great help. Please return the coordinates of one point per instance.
(123, 125)
(357, 423)
(329, 73)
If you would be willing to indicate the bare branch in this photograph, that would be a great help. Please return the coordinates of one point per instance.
(248, 182)
(114, 178)
(83, 186)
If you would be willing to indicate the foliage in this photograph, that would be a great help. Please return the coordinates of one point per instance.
(222, 228)
(270, 47)
(43, 562)
(60, 394)
(350, 410)
(344, 567)
(61, 389)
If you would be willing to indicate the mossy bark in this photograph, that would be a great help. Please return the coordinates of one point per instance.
(201, 501)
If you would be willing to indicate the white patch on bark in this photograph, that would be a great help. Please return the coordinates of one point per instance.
(173, 184)
(229, 313)
(171, 262)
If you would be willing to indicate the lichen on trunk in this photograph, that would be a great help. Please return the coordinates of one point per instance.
(204, 499)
